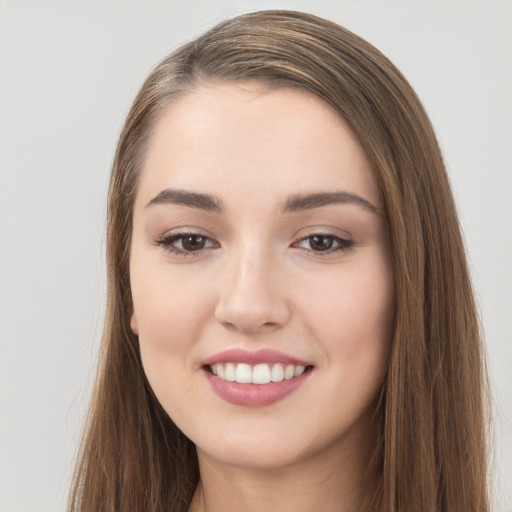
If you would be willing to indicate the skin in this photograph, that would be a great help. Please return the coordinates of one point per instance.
(259, 283)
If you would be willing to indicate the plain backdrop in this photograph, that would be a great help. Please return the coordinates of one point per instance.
(68, 72)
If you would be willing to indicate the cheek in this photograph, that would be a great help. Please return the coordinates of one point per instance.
(357, 330)
(169, 310)
(354, 318)
(170, 317)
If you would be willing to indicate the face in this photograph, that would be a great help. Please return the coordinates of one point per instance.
(261, 278)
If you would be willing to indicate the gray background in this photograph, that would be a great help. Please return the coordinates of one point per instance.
(68, 72)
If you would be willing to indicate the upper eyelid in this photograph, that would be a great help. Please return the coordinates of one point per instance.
(348, 241)
(322, 230)
(324, 233)
(177, 232)
(177, 236)
(169, 242)
(301, 234)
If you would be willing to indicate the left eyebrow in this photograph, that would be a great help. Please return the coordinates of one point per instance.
(300, 202)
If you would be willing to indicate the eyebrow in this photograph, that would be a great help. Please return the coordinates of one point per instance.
(192, 199)
(301, 202)
(294, 203)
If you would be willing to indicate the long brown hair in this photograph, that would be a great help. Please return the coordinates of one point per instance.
(430, 452)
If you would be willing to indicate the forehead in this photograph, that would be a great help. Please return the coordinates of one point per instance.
(247, 134)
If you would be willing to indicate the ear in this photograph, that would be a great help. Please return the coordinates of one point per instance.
(134, 324)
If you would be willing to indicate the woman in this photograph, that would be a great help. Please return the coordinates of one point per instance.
(290, 322)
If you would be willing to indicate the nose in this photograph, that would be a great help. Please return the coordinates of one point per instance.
(253, 294)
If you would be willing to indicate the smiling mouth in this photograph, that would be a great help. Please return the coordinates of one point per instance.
(263, 373)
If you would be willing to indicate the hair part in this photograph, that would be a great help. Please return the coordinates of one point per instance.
(430, 449)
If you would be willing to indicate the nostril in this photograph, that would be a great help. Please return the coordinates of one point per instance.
(248, 324)
(230, 326)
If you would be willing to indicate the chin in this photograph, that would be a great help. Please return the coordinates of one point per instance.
(252, 458)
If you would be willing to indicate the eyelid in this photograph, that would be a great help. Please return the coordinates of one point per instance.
(345, 243)
(167, 240)
(170, 240)
(322, 229)
(183, 230)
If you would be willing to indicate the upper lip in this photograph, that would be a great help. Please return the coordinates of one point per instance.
(267, 355)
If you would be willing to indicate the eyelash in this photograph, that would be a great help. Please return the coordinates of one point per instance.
(342, 244)
(167, 243)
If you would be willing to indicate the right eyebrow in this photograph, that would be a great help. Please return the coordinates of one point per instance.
(186, 198)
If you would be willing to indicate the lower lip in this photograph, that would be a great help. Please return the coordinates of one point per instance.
(255, 395)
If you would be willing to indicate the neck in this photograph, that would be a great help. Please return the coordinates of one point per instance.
(334, 482)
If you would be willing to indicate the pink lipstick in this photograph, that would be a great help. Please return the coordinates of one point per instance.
(255, 379)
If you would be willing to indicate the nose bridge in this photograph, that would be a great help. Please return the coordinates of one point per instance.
(250, 297)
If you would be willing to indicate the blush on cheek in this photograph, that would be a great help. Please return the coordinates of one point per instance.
(364, 326)
(169, 328)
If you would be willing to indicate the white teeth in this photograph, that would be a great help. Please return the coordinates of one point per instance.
(259, 374)
(277, 373)
(243, 373)
(289, 372)
(230, 372)
(299, 370)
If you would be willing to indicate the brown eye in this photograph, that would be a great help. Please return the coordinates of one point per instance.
(187, 244)
(193, 242)
(321, 242)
